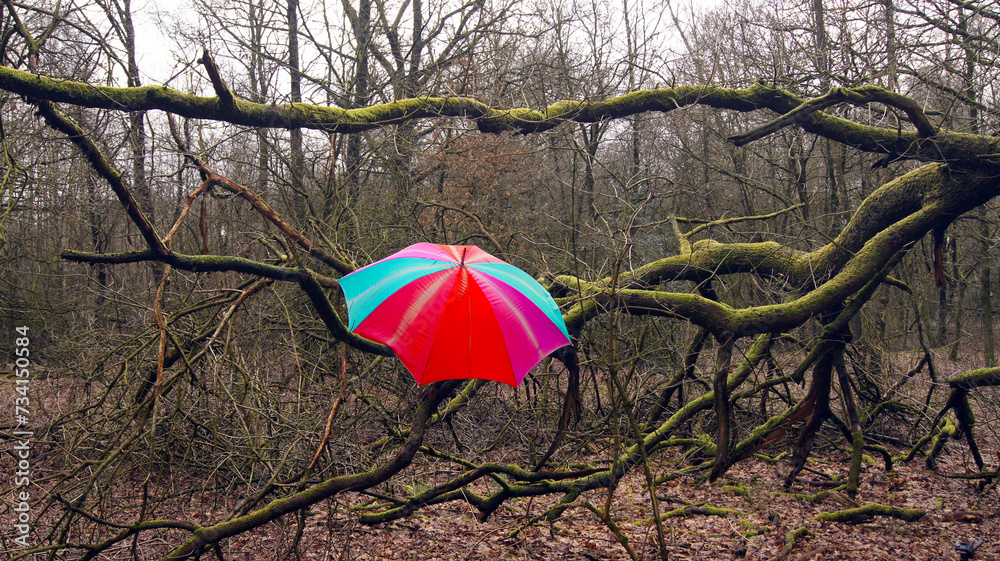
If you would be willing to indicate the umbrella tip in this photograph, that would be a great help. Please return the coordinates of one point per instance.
(464, 251)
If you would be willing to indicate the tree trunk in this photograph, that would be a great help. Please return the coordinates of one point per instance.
(958, 295)
(892, 62)
(137, 129)
(360, 98)
(986, 291)
(300, 204)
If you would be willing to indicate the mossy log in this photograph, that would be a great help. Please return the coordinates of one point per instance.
(987, 474)
(978, 378)
(790, 539)
(816, 499)
(696, 510)
(867, 512)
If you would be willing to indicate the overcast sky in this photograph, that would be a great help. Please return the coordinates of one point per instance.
(155, 50)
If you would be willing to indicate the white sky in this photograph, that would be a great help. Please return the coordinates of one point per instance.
(154, 48)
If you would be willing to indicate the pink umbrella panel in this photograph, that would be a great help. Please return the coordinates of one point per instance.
(455, 312)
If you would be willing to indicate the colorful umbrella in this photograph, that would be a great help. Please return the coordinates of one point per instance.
(455, 312)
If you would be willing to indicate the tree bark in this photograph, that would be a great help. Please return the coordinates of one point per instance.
(296, 162)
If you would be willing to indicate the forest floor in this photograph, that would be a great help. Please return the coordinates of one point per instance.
(745, 515)
(755, 517)
(748, 514)
(755, 514)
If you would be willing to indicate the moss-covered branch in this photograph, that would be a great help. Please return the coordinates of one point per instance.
(856, 96)
(937, 189)
(790, 539)
(958, 401)
(308, 280)
(455, 489)
(692, 510)
(570, 484)
(895, 216)
(334, 119)
(323, 306)
(869, 511)
(954, 147)
(193, 263)
(978, 378)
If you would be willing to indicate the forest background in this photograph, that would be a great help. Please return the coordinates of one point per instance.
(770, 227)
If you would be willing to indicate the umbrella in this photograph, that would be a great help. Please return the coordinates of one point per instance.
(454, 312)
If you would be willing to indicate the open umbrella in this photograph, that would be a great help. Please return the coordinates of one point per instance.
(454, 312)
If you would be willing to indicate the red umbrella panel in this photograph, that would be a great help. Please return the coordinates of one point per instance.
(455, 312)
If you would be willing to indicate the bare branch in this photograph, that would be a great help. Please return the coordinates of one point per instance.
(226, 96)
(836, 96)
(63, 124)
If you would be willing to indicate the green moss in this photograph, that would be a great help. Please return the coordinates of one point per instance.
(817, 498)
(704, 245)
(866, 512)
(696, 510)
(562, 109)
(772, 459)
(976, 378)
(738, 490)
(949, 430)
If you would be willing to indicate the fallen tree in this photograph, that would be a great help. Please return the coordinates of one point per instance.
(828, 285)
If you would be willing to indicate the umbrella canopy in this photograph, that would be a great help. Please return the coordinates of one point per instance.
(455, 312)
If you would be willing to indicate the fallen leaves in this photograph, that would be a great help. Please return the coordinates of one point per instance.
(711, 523)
